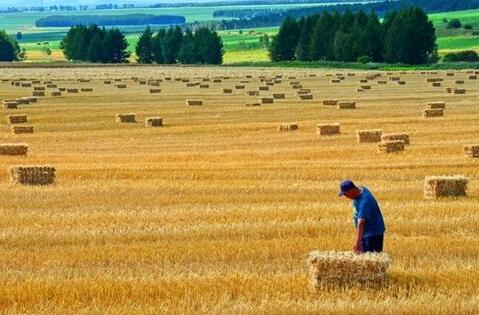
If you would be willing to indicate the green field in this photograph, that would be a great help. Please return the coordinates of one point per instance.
(239, 46)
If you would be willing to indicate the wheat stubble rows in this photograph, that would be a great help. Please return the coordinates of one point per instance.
(216, 211)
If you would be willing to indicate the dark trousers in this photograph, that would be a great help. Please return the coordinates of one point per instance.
(372, 244)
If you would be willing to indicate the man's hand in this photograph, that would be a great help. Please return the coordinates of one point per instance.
(357, 248)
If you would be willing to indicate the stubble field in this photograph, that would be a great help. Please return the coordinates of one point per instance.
(216, 211)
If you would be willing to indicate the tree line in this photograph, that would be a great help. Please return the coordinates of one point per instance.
(95, 44)
(108, 20)
(9, 48)
(251, 18)
(173, 45)
(404, 36)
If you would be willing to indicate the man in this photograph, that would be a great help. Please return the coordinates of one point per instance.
(368, 219)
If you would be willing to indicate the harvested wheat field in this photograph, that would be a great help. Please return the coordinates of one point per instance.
(216, 211)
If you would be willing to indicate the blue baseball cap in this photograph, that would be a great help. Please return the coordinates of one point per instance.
(346, 185)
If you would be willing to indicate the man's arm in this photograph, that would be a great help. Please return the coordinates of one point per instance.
(357, 247)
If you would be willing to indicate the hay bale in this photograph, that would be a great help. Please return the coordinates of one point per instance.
(426, 113)
(288, 127)
(471, 150)
(390, 146)
(365, 87)
(472, 77)
(396, 136)
(364, 136)
(359, 90)
(126, 118)
(401, 82)
(278, 96)
(22, 129)
(55, 93)
(330, 269)
(194, 102)
(154, 122)
(445, 186)
(32, 175)
(17, 119)
(266, 100)
(155, 91)
(9, 104)
(253, 93)
(217, 81)
(39, 88)
(86, 89)
(330, 102)
(23, 84)
(72, 90)
(52, 86)
(239, 87)
(204, 86)
(459, 81)
(263, 88)
(346, 105)
(436, 84)
(38, 93)
(13, 149)
(227, 91)
(335, 81)
(436, 105)
(328, 129)
(121, 86)
(297, 86)
(192, 84)
(382, 82)
(252, 104)
(303, 91)
(31, 99)
(450, 74)
(306, 97)
(107, 82)
(458, 91)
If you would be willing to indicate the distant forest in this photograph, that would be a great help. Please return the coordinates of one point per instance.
(109, 20)
(249, 18)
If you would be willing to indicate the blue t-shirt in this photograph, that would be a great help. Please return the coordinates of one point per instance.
(366, 207)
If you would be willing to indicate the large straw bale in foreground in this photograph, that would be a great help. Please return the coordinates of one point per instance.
(17, 119)
(22, 129)
(32, 175)
(445, 186)
(347, 268)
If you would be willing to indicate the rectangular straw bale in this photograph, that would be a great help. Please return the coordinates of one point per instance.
(459, 81)
(445, 186)
(436, 84)
(303, 91)
(22, 129)
(194, 102)
(305, 97)
(52, 86)
(13, 149)
(263, 88)
(227, 91)
(107, 82)
(365, 87)
(436, 105)
(216, 80)
(333, 269)
(72, 90)
(335, 81)
(121, 86)
(55, 93)
(39, 88)
(457, 91)
(359, 90)
(32, 175)
(266, 100)
(471, 150)
(155, 91)
(17, 119)
(472, 77)
(330, 102)
(426, 113)
(297, 86)
(154, 122)
(253, 93)
(252, 104)
(328, 129)
(204, 86)
(38, 93)
(401, 82)
(25, 84)
(373, 135)
(382, 82)
(396, 136)
(278, 96)
(288, 127)
(346, 105)
(363, 81)
(126, 118)
(191, 84)
(390, 146)
(86, 89)
(10, 104)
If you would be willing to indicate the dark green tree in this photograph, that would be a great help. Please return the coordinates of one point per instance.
(115, 47)
(171, 44)
(9, 48)
(304, 43)
(157, 46)
(188, 53)
(143, 48)
(322, 40)
(284, 43)
(95, 49)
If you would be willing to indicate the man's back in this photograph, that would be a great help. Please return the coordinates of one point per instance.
(366, 207)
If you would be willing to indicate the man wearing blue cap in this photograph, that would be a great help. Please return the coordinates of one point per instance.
(368, 219)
